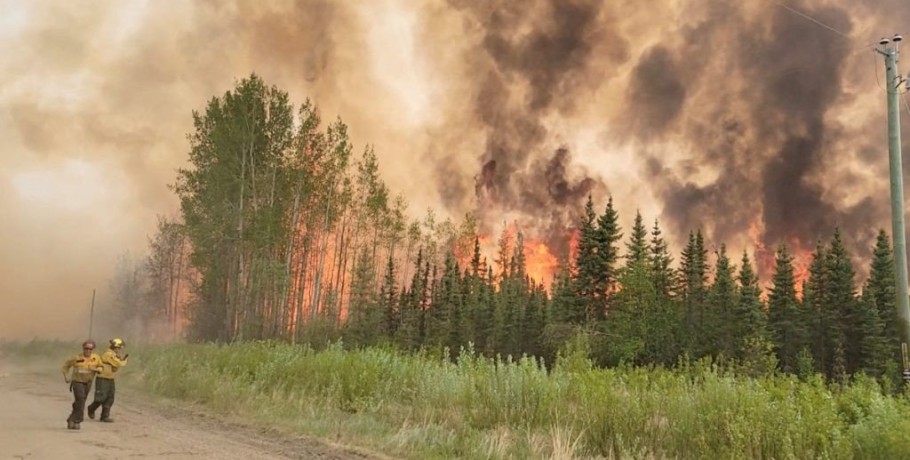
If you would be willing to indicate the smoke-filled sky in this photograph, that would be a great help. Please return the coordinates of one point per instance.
(747, 118)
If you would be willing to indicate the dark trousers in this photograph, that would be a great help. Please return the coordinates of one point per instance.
(80, 393)
(104, 397)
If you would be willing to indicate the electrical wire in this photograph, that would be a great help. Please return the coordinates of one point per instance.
(826, 26)
(875, 66)
(810, 18)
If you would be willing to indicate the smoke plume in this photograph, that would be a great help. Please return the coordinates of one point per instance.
(746, 119)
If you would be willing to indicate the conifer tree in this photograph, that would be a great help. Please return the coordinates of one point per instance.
(531, 333)
(607, 237)
(818, 316)
(783, 312)
(410, 331)
(880, 290)
(389, 300)
(750, 319)
(442, 317)
(637, 248)
(693, 277)
(476, 259)
(873, 351)
(566, 306)
(588, 263)
(842, 303)
(364, 316)
(660, 263)
(633, 327)
(719, 323)
(565, 313)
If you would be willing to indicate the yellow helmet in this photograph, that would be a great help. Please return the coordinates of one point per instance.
(117, 342)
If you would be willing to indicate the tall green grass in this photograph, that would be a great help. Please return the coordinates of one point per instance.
(424, 406)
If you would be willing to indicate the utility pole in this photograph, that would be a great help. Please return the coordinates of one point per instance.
(91, 317)
(890, 49)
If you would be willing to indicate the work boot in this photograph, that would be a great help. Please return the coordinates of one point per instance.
(70, 425)
(91, 412)
(76, 426)
(107, 420)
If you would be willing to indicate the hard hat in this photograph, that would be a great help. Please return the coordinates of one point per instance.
(117, 342)
(90, 344)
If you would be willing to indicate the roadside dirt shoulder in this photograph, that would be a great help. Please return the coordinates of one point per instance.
(32, 426)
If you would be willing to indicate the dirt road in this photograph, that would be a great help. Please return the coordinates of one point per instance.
(34, 407)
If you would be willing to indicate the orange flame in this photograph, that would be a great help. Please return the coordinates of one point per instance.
(541, 263)
(766, 259)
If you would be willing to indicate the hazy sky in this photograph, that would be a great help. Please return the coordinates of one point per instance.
(744, 117)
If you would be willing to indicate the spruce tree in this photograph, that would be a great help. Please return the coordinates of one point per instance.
(750, 319)
(588, 260)
(632, 330)
(476, 259)
(389, 300)
(719, 328)
(783, 312)
(441, 317)
(364, 319)
(660, 263)
(668, 324)
(534, 319)
(842, 303)
(637, 248)
(566, 306)
(607, 238)
(817, 315)
(566, 313)
(873, 347)
(880, 290)
(693, 277)
(411, 313)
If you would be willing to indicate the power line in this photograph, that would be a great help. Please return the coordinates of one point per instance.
(877, 81)
(810, 18)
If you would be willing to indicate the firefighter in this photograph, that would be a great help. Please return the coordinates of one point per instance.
(84, 366)
(112, 361)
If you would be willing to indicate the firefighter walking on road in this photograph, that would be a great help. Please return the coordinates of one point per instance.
(84, 366)
(111, 361)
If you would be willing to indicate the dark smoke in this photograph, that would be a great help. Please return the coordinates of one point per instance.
(743, 118)
(539, 58)
(756, 112)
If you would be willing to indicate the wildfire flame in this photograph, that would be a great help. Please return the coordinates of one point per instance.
(765, 260)
(541, 263)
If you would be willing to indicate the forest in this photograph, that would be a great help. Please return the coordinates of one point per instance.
(286, 234)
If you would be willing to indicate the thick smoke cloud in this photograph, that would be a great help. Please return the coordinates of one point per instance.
(96, 105)
(756, 113)
(743, 118)
(533, 58)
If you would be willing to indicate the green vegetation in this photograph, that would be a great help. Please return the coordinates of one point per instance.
(285, 234)
(426, 406)
(287, 239)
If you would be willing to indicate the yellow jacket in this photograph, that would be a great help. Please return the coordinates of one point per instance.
(84, 368)
(112, 362)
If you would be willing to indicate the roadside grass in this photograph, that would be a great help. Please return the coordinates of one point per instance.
(424, 406)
